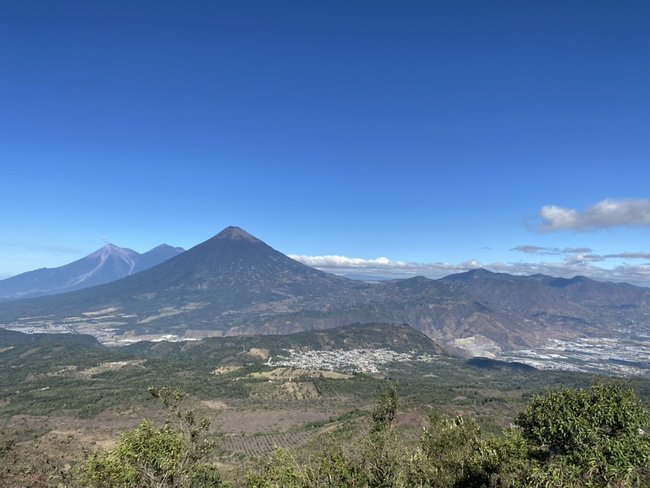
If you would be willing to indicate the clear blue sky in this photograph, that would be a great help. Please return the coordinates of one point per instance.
(425, 132)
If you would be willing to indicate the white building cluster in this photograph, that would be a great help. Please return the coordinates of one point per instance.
(348, 361)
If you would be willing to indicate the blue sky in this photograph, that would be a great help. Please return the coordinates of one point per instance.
(439, 135)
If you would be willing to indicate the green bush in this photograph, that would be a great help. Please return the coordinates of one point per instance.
(588, 438)
(565, 438)
(172, 455)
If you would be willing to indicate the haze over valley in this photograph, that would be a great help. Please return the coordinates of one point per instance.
(235, 284)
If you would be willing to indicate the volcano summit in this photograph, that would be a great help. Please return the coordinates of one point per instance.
(235, 284)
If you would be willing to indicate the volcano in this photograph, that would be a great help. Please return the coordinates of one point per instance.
(107, 264)
(235, 284)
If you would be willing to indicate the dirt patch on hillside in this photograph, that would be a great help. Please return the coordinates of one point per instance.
(110, 366)
(214, 404)
(255, 352)
(225, 369)
(290, 373)
(268, 421)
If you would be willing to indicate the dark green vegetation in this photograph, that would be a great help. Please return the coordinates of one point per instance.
(61, 401)
(397, 337)
(10, 338)
(564, 438)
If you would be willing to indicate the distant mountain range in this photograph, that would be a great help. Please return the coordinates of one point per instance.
(235, 284)
(107, 264)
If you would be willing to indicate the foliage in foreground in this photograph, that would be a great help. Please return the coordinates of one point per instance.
(568, 438)
(572, 438)
(172, 455)
(588, 438)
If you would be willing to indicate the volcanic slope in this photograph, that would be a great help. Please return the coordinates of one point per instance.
(229, 279)
(107, 264)
(235, 284)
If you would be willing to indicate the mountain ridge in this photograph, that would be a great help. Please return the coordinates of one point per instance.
(235, 284)
(109, 263)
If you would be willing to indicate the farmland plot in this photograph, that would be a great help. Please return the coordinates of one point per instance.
(259, 445)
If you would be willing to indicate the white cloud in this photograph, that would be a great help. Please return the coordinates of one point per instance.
(571, 265)
(334, 261)
(382, 267)
(582, 258)
(604, 214)
(556, 218)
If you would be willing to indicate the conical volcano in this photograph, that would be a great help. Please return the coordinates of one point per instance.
(234, 283)
(230, 280)
(233, 269)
